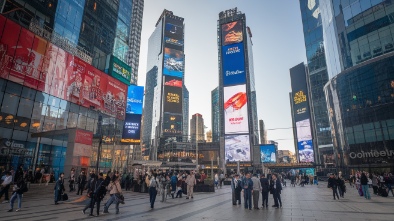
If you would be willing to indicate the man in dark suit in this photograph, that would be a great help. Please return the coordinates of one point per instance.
(276, 188)
(247, 185)
(237, 189)
(265, 185)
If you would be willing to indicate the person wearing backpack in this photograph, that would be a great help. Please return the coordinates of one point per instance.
(19, 188)
(152, 190)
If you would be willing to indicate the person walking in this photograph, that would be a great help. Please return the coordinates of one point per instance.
(247, 184)
(276, 188)
(333, 184)
(152, 190)
(19, 188)
(174, 180)
(59, 188)
(256, 191)
(179, 186)
(190, 181)
(221, 179)
(96, 194)
(81, 182)
(265, 188)
(237, 189)
(71, 180)
(341, 187)
(5, 186)
(216, 180)
(115, 189)
(364, 186)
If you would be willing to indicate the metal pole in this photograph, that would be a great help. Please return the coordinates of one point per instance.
(212, 169)
(197, 141)
(36, 154)
(100, 120)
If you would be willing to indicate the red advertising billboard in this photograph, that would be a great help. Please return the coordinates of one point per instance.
(83, 137)
(31, 61)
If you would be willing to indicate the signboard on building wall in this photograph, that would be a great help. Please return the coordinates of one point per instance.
(83, 137)
(237, 148)
(172, 124)
(119, 70)
(132, 129)
(172, 99)
(174, 31)
(135, 97)
(173, 62)
(268, 153)
(232, 33)
(235, 110)
(233, 64)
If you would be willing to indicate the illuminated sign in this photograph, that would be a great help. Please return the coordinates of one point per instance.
(172, 124)
(235, 110)
(173, 81)
(135, 97)
(233, 69)
(174, 31)
(173, 62)
(299, 97)
(132, 128)
(232, 33)
(304, 130)
(237, 148)
(305, 151)
(172, 99)
(268, 153)
(120, 70)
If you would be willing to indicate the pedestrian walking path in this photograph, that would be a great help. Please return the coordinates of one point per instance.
(299, 203)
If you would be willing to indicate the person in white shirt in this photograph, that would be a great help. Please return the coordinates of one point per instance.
(152, 190)
(5, 186)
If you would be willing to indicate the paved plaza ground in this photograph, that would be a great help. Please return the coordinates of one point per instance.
(299, 203)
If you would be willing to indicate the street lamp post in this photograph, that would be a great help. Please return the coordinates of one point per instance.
(100, 121)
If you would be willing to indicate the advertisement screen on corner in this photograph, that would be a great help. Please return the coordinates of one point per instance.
(268, 153)
(235, 110)
(172, 99)
(233, 64)
(132, 128)
(135, 97)
(232, 33)
(237, 148)
(173, 62)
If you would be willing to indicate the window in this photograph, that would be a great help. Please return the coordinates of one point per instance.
(10, 104)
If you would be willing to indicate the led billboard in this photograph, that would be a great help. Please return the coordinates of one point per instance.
(119, 70)
(173, 81)
(135, 96)
(173, 62)
(172, 124)
(235, 110)
(233, 64)
(305, 151)
(268, 153)
(172, 99)
(232, 33)
(300, 93)
(132, 129)
(174, 31)
(237, 148)
(304, 130)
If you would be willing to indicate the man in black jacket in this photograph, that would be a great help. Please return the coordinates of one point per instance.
(237, 189)
(81, 182)
(265, 185)
(333, 184)
(276, 188)
(96, 193)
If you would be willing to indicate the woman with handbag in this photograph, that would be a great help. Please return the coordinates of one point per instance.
(115, 193)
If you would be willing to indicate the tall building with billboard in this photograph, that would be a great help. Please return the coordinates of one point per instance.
(62, 109)
(263, 132)
(360, 91)
(197, 132)
(215, 115)
(133, 55)
(237, 94)
(301, 114)
(317, 77)
(163, 116)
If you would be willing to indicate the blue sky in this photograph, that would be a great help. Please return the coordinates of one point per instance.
(278, 45)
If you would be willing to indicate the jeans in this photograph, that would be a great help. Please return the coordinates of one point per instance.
(173, 188)
(248, 198)
(265, 197)
(152, 196)
(13, 197)
(111, 200)
(5, 192)
(365, 189)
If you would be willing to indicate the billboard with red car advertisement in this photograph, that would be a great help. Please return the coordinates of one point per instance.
(32, 61)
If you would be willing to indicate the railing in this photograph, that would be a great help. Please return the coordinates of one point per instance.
(60, 41)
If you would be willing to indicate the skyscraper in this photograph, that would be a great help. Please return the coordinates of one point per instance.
(237, 94)
(263, 132)
(185, 132)
(215, 115)
(197, 133)
(163, 118)
(360, 91)
(317, 77)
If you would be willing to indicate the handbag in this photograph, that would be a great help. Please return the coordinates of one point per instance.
(119, 196)
(64, 197)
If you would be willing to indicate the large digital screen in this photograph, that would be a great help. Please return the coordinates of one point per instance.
(172, 124)
(135, 96)
(237, 148)
(300, 92)
(268, 153)
(173, 99)
(304, 130)
(174, 31)
(31, 61)
(306, 171)
(173, 43)
(173, 81)
(233, 64)
(173, 62)
(305, 151)
(235, 110)
(232, 33)
(132, 129)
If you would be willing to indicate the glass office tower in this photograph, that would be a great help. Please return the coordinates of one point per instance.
(317, 77)
(163, 112)
(360, 93)
(215, 115)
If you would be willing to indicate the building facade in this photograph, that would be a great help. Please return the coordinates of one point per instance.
(215, 115)
(163, 112)
(185, 132)
(197, 133)
(263, 132)
(317, 78)
(237, 94)
(360, 92)
(56, 101)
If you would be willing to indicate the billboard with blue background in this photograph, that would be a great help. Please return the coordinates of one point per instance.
(268, 153)
(233, 68)
(305, 151)
(135, 96)
(173, 62)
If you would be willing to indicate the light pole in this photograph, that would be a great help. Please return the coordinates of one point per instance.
(100, 122)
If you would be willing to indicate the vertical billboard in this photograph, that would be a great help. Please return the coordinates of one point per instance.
(237, 148)
(301, 113)
(235, 110)
(233, 64)
(173, 62)
(268, 153)
(132, 125)
(232, 33)
(172, 124)
(119, 70)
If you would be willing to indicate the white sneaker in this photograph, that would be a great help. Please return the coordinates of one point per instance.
(17, 210)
